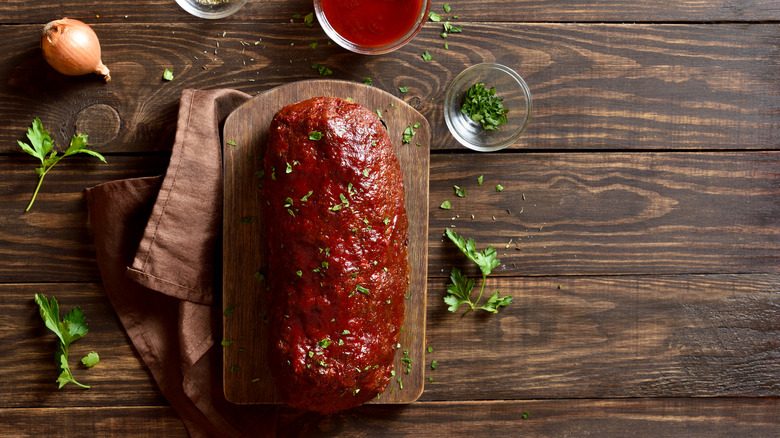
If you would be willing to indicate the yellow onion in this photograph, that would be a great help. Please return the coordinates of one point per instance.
(72, 48)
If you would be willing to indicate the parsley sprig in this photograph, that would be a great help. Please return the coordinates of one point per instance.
(72, 327)
(41, 146)
(461, 287)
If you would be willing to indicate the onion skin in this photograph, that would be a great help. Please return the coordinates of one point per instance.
(72, 48)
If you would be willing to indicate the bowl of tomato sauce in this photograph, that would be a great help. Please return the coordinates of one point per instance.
(371, 27)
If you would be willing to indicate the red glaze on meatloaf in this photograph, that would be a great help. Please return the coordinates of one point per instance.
(338, 255)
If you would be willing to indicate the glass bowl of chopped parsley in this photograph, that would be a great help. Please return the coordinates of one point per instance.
(487, 107)
(211, 9)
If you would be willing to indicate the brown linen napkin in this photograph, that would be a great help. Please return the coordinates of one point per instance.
(156, 242)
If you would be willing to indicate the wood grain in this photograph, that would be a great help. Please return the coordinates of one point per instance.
(606, 213)
(621, 213)
(282, 11)
(690, 417)
(124, 421)
(548, 418)
(594, 86)
(244, 245)
(633, 189)
(595, 337)
(605, 337)
(53, 241)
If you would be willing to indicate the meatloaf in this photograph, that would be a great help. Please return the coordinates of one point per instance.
(338, 254)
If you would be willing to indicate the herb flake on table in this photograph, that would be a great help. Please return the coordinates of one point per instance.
(41, 147)
(168, 74)
(309, 19)
(322, 70)
(427, 56)
(91, 359)
(450, 28)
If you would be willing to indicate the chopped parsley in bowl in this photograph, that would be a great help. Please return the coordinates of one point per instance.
(487, 107)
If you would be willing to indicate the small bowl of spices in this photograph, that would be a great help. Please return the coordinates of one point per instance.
(487, 107)
(211, 9)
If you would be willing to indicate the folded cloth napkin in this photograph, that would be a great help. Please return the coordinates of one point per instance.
(157, 247)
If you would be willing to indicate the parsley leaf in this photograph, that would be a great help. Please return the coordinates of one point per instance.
(41, 146)
(494, 302)
(315, 135)
(434, 17)
(459, 291)
(168, 74)
(461, 287)
(427, 56)
(403, 89)
(309, 19)
(409, 132)
(91, 359)
(72, 327)
(486, 260)
(322, 70)
(449, 28)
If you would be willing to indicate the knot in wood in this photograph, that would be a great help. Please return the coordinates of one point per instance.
(100, 122)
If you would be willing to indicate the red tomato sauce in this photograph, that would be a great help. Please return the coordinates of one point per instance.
(372, 23)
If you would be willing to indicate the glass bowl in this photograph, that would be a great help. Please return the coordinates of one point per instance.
(516, 98)
(211, 9)
(374, 48)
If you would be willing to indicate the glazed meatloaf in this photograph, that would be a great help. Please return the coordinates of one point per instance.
(338, 254)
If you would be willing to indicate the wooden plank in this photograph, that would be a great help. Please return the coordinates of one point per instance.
(595, 337)
(621, 213)
(581, 418)
(610, 213)
(690, 417)
(619, 87)
(613, 336)
(244, 247)
(281, 11)
(124, 421)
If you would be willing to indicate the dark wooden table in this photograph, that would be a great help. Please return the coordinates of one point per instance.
(639, 227)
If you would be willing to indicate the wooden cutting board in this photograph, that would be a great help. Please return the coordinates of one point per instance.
(246, 376)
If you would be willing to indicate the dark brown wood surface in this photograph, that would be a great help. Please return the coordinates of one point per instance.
(594, 86)
(638, 228)
(245, 136)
